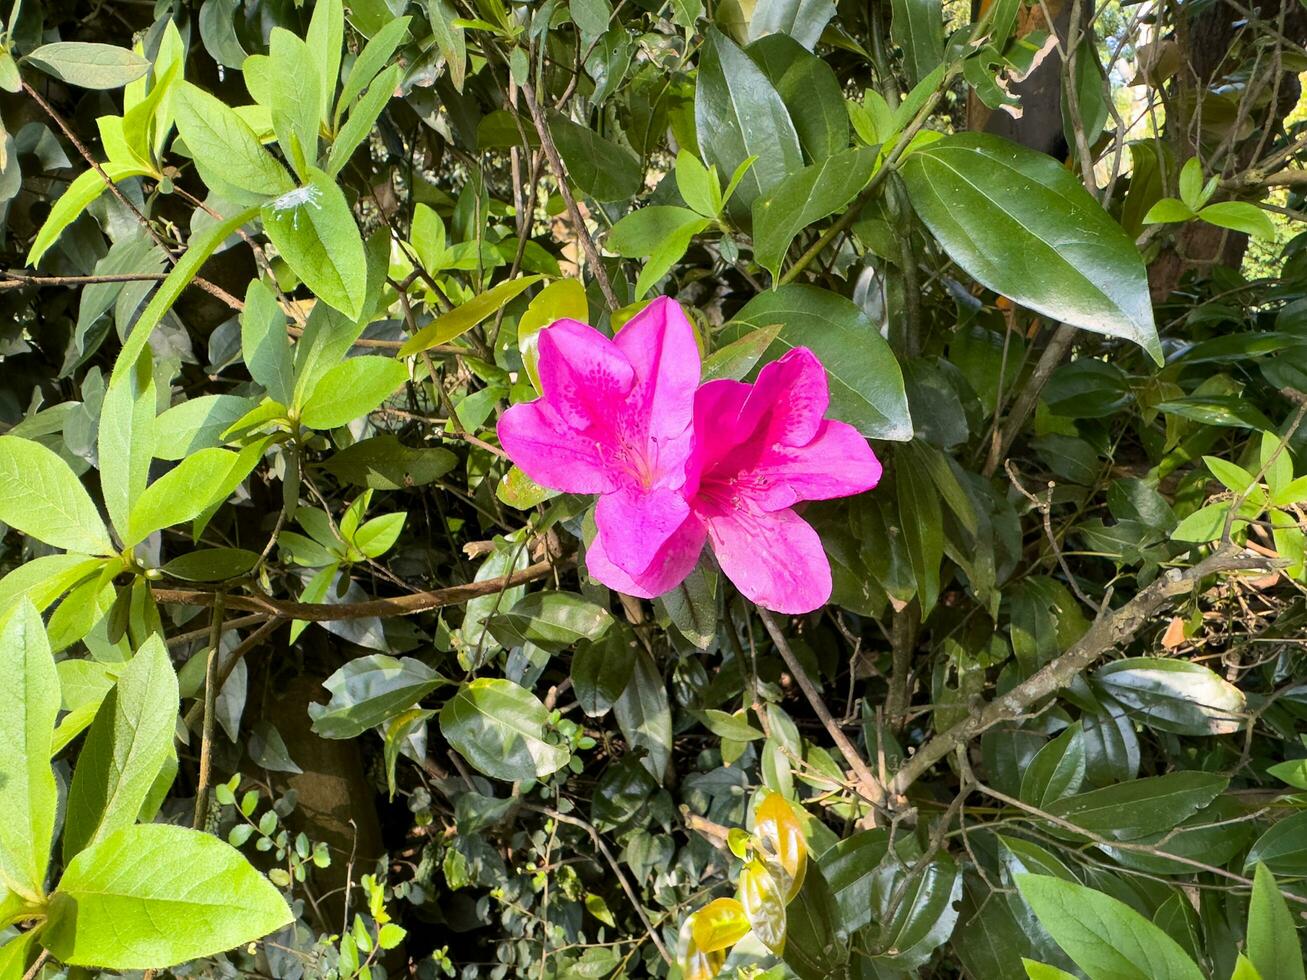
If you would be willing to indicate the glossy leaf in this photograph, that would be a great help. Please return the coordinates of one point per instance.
(368, 691)
(41, 496)
(1001, 212)
(499, 728)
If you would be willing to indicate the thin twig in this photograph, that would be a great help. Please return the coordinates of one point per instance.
(560, 172)
(327, 612)
(869, 787)
(210, 713)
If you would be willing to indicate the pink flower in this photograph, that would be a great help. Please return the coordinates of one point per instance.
(675, 468)
(615, 419)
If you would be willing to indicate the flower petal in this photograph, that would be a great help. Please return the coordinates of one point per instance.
(583, 374)
(837, 463)
(774, 558)
(659, 343)
(551, 452)
(789, 399)
(672, 563)
(635, 524)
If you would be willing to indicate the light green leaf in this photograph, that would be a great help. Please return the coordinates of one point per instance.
(738, 358)
(325, 39)
(1001, 211)
(27, 792)
(79, 195)
(449, 38)
(154, 895)
(371, 60)
(806, 196)
(124, 750)
(198, 423)
(295, 97)
(1239, 216)
(44, 579)
(88, 64)
(226, 152)
(1042, 971)
(41, 496)
(314, 230)
(363, 117)
(499, 728)
(866, 385)
(351, 390)
(264, 344)
(803, 20)
(1167, 210)
(458, 321)
(1273, 944)
(126, 441)
(182, 493)
(1103, 936)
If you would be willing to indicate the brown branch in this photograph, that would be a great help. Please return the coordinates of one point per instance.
(209, 702)
(578, 222)
(1057, 347)
(1107, 633)
(869, 787)
(327, 612)
(229, 665)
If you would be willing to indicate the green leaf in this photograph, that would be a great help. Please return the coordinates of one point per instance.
(1105, 937)
(314, 230)
(89, 65)
(126, 441)
(739, 114)
(1191, 184)
(449, 38)
(552, 621)
(383, 463)
(662, 232)
(1239, 216)
(363, 117)
(917, 27)
(735, 726)
(202, 245)
(921, 521)
(1283, 848)
(563, 299)
(1175, 695)
(645, 717)
(692, 605)
(698, 186)
(1057, 770)
(211, 564)
(152, 896)
(866, 385)
(198, 423)
(379, 535)
(1141, 807)
(264, 345)
(738, 358)
(460, 320)
(41, 496)
(806, 196)
(1273, 944)
(810, 91)
(1167, 210)
(295, 99)
(124, 750)
(182, 493)
(325, 39)
(1042, 971)
(226, 152)
(499, 728)
(601, 168)
(1244, 970)
(601, 671)
(371, 60)
(27, 792)
(44, 579)
(803, 20)
(351, 390)
(76, 199)
(1001, 212)
(368, 691)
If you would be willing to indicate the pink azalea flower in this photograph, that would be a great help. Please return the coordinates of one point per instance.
(675, 468)
(615, 419)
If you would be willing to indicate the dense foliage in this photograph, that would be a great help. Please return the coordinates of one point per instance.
(310, 667)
